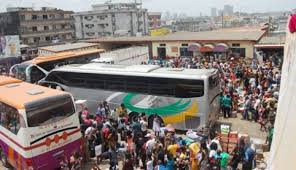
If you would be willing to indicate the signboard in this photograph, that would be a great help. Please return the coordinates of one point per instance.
(9, 46)
(160, 31)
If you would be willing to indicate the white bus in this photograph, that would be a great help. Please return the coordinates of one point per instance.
(185, 98)
(38, 125)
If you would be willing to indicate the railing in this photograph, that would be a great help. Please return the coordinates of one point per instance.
(48, 31)
(46, 20)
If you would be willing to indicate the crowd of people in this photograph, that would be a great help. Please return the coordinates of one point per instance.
(246, 90)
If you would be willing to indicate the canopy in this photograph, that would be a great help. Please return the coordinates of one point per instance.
(220, 48)
(207, 48)
(194, 47)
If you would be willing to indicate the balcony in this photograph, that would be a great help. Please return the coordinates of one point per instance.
(46, 32)
(47, 21)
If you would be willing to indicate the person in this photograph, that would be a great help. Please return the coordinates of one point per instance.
(170, 162)
(227, 103)
(64, 164)
(128, 163)
(101, 111)
(248, 158)
(122, 111)
(107, 109)
(172, 149)
(156, 125)
(224, 161)
(144, 125)
(149, 164)
(236, 158)
(270, 136)
(75, 161)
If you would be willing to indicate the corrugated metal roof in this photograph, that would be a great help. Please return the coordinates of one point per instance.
(273, 40)
(219, 35)
(66, 47)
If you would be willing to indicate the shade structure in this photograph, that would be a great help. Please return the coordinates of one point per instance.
(207, 48)
(220, 48)
(194, 47)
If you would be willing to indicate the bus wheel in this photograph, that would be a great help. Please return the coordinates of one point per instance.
(4, 159)
(132, 116)
(150, 121)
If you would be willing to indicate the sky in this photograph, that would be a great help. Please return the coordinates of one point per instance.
(188, 7)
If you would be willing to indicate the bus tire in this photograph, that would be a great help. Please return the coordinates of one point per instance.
(150, 121)
(132, 116)
(4, 159)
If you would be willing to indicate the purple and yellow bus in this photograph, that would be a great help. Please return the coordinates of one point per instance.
(38, 125)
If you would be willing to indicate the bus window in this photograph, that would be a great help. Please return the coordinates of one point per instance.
(36, 74)
(53, 110)
(10, 118)
(190, 89)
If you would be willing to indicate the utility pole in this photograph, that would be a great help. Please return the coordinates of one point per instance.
(222, 19)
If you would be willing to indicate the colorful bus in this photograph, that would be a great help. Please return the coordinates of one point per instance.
(38, 125)
(37, 68)
(185, 98)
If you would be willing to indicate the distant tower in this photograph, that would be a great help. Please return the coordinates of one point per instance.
(213, 12)
(228, 10)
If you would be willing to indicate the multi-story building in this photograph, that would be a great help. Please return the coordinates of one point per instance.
(38, 27)
(154, 20)
(112, 19)
(228, 10)
(213, 12)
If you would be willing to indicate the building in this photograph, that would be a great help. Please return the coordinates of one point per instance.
(10, 51)
(228, 10)
(38, 27)
(112, 19)
(213, 12)
(71, 47)
(154, 20)
(239, 41)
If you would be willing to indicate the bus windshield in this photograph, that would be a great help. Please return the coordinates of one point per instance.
(20, 71)
(44, 113)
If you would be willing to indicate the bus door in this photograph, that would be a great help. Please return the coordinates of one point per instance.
(35, 73)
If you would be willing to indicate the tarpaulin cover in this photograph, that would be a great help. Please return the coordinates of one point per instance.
(292, 23)
(282, 155)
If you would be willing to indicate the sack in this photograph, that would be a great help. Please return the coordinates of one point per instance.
(98, 150)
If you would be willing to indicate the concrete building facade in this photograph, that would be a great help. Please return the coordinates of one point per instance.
(38, 27)
(112, 19)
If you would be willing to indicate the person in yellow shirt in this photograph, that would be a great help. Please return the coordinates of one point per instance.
(173, 149)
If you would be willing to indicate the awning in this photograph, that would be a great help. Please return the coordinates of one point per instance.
(220, 48)
(207, 48)
(194, 47)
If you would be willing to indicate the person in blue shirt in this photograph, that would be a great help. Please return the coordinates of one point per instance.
(248, 158)
(170, 162)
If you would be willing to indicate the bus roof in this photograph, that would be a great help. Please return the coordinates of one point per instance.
(138, 70)
(8, 80)
(19, 94)
(63, 55)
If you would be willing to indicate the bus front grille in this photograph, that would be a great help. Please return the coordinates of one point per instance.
(192, 122)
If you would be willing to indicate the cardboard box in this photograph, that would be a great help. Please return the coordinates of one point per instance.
(233, 134)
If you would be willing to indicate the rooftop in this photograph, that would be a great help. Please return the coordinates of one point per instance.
(7, 80)
(273, 40)
(66, 47)
(18, 94)
(137, 70)
(217, 35)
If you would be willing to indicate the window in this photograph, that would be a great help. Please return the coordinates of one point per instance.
(90, 33)
(34, 28)
(36, 39)
(185, 53)
(184, 45)
(22, 17)
(46, 28)
(162, 45)
(89, 25)
(241, 52)
(88, 18)
(10, 118)
(213, 81)
(45, 17)
(48, 111)
(161, 52)
(235, 45)
(133, 84)
(47, 38)
(34, 17)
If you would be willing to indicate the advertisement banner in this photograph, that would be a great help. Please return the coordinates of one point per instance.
(9, 46)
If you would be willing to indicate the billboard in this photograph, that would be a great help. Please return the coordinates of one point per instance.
(159, 32)
(10, 46)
